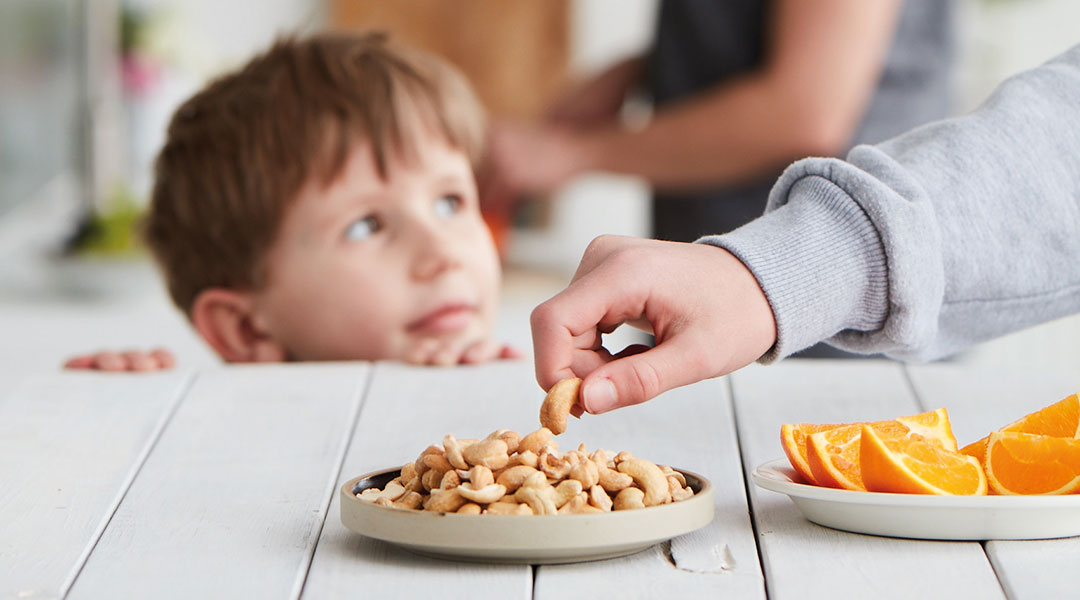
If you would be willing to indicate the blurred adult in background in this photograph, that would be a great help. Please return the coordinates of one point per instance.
(740, 88)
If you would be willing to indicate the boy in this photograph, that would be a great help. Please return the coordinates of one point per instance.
(320, 204)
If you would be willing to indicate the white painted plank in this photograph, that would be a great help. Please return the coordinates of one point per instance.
(230, 502)
(70, 444)
(803, 560)
(691, 428)
(980, 401)
(405, 410)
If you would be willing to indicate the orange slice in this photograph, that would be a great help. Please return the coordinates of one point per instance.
(1027, 463)
(793, 439)
(917, 465)
(833, 455)
(1060, 419)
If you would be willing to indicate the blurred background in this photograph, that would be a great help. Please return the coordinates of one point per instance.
(87, 87)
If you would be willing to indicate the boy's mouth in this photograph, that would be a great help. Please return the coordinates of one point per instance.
(447, 318)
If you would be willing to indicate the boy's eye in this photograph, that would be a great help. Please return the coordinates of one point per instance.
(362, 229)
(448, 205)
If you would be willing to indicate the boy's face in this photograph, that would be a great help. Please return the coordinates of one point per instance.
(367, 269)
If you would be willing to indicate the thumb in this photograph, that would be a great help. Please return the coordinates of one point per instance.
(641, 377)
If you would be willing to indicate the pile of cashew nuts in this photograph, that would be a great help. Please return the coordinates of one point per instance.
(506, 474)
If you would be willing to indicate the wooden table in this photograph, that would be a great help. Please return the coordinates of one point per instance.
(222, 483)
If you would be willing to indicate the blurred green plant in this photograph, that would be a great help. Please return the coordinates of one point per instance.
(113, 230)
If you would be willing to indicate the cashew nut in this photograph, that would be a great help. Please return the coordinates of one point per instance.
(629, 498)
(556, 467)
(489, 453)
(431, 479)
(540, 499)
(649, 478)
(393, 491)
(437, 462)
(444, 500)
(556, 408)
(514, 477)
(421, 465)
(575, 506)
(411, 501)
(612, 480)
(566, 491)
(512, 439)
(450, 480)
(678, 492)
(535, 441)
(624, 455)
(408, 471)
(471, 508)
(586, 472)
(527, 458)
(481, 476)
(453, 451)
(508, 508)
(669, 472)
(485, 495)
(599, 498)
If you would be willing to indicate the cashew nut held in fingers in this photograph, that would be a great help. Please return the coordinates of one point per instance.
(557, 404)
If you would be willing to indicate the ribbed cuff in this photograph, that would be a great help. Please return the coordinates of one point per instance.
(819, 260)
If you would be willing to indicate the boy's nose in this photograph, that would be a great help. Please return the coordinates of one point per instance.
(435, 254)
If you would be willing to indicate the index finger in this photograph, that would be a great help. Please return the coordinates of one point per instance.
(567, 328)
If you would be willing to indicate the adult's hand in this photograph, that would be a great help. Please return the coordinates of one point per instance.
(704, 307)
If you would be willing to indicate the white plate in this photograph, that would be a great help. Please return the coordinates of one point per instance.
(926, 517)
(523, 539)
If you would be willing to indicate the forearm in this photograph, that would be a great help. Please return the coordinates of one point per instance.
(951, 234)
(733, 133)
(805, 99)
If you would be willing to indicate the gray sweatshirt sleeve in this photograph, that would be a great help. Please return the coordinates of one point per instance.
(953, 233)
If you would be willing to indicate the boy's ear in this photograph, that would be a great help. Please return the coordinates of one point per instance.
(226, 320)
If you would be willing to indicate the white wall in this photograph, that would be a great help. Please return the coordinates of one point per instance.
(193, 41)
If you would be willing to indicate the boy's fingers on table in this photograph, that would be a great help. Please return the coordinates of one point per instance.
(480, 352)
(165, 359)
(422, 352)
(141, 361)
(85, 361)
(133, 360)
(110, 361)
(510, 352)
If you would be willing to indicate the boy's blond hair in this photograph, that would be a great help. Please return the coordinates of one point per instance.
(238, 153)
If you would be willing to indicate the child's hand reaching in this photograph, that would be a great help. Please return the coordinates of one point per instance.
(433, 352)
(134, 360)
(701, 303)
